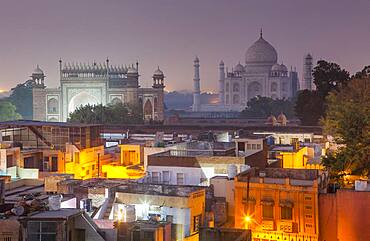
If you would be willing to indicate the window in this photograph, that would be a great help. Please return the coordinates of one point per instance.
(236, 99)
(180, 177)
(197, 222)
(53, 106)
(258, 146)
(38, 231)
(236, 87)
(227, 99)
(273, 87)
(148, 235)
(166, 177)
(227, 86)
(254, 146)
(155, 177)
(267, 211)
(286, 213)
(249, 147)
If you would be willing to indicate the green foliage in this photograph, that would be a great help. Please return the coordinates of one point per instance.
(348, 121)
(110, 114)
(328, 77)
(309, 107)
(8, 111)
(262, 107)
(21, 97)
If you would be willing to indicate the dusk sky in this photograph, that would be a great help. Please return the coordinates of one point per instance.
(170, 33)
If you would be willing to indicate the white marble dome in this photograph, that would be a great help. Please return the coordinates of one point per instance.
(283, 68)
(261, 52)
(275, 67)
(239, 68)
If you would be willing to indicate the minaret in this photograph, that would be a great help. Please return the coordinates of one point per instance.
(221, 93)
(307, 73)
(196, 94)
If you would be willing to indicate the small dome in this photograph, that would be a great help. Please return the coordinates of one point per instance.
(239, 68)
(38, 71)
(271, 119)
(261, 52)
(308, 56)
(275, 67)
(283, 68)
(158, 72)
(282, 118)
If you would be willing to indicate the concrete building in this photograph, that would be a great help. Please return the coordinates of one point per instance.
(344, 215)
(194, 163)
(278, 204)
(97, 83)
(63, 224)
(183, 206)
(144, 230)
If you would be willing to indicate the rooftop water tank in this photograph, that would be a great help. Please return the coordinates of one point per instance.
(360, 185)
(55, 202)
(232, 170)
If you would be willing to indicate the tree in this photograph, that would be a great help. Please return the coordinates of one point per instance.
(348, 121)
(8, 111)
(110, 114)
(328, 77)
(309, 107)
(21, 97)
(262, 107)
(364, 73)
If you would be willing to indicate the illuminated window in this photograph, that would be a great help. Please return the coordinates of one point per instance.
(197, 222)
(180, 177)
(267, 211)
(286, 213)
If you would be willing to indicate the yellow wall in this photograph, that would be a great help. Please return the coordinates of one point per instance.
(131, 154)
(298, 159)
(84, 163)
(196, 203)
(114, 171)
(304, 222)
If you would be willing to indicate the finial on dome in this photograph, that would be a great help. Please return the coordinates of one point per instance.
(261, 33)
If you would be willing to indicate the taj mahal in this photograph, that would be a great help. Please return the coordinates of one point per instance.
(261, 75)
(95, 83)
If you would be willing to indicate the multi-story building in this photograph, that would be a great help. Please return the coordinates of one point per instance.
(183, 206)
(278, 204)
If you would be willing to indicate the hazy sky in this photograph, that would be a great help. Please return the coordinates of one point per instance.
(170, 33)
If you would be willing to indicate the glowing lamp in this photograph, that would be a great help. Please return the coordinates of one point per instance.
(248, 219)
